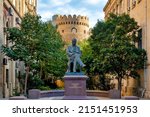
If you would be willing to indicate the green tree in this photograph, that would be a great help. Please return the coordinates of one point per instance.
(92, 68)
(39, 45)
(113, 44)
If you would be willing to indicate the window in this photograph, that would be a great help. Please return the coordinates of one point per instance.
(133, 3)
(128, 5)
(63, 31)
(117, 10)
(30, 1)
(7, 26)
(7, 76)
(14, 2)
(121, 7)
(140, 38)
(19, 6)
(84, 31)
(16, 5)
(74, 30)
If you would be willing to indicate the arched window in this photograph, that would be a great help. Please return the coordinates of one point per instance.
(74, 30)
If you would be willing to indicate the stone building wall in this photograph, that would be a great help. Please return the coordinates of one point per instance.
(72, 27)
(24, 6)
(1, 41)
(139, 10)
(11, 13)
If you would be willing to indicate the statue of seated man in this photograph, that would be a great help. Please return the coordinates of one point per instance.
(74, 54)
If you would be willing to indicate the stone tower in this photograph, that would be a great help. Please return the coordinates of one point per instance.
(72, 27)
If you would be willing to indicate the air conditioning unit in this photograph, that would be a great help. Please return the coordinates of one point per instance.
(10, 11)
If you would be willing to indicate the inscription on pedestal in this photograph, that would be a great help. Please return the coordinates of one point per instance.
(75, 85)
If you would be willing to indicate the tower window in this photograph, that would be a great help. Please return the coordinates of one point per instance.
(84, 31)
(63, 31)
(74, 30)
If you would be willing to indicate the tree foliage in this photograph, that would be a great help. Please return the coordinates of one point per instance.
(39, 45)
(113, 44)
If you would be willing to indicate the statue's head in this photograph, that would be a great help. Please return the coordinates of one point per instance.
(74, 41)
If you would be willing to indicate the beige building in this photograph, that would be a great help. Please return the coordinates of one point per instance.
(139, 10)
(72, 26)
(11, 13)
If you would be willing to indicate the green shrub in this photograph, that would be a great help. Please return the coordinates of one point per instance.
(44, 88)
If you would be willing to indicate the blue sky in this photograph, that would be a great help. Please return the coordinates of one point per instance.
(91, 8)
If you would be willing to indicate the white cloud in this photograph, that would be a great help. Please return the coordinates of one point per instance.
(52, 3)
(59, 2)
(94, 2)
(46, 15)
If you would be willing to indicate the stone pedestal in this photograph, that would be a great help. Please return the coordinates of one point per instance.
(114, 94)
(34, 94)
(75, 87)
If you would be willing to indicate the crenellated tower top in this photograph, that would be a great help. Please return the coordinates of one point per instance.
(69, 19)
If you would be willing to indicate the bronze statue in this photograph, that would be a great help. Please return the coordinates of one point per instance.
(74, 54)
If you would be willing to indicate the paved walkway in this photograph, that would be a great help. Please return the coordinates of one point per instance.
(88, 98)
(61, 98)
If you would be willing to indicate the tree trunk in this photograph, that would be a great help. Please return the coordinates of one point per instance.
(26, 80)
(120, 85)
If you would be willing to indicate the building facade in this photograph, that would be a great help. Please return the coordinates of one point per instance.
(11, 13)
(139, 10)
(71, 27)
(1, 41)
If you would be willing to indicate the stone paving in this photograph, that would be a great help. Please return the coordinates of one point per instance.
(88, 98)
